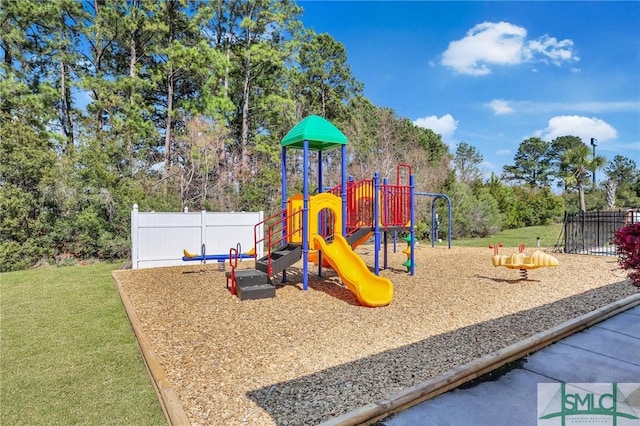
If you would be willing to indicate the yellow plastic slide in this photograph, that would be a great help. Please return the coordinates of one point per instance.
(370, 289)
(313, 254)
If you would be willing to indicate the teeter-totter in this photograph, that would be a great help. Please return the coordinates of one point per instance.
(522, 261)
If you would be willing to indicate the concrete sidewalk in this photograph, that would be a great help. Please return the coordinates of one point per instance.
(608, 352)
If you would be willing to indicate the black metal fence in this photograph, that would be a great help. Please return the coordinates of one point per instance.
(592, 232)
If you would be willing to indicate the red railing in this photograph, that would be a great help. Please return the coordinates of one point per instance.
(399, 169)
(359, 203)
(395, 209)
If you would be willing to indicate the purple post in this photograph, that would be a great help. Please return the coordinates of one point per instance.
(412, 227)
(376, 226)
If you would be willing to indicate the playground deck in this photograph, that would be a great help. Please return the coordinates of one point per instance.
(307, 356)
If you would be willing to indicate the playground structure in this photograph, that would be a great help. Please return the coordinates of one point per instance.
(522, 261)
(325, 228)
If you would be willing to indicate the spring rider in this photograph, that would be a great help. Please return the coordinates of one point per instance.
(522, 261)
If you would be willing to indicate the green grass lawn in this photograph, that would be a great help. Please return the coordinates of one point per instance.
(68, 354)
(514, 237)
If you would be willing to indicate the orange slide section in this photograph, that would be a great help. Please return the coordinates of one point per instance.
(362, 240)
(370, 289)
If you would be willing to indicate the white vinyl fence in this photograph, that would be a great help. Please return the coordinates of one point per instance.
(158, 239)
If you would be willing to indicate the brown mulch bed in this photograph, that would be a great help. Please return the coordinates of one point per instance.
(307, 356)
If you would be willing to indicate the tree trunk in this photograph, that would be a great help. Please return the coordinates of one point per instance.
(66, 117)
(224, 39)
(98, 52)
(245, 120)
(227, 70)
(133, 59)
(5, 103)
(581, 196)
(244, 156)
(610, 186)
(170, 94)
(167, 129)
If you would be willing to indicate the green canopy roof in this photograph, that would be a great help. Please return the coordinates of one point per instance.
(320, 133)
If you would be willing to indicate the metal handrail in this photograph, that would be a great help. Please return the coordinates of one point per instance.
(278, 226)
(401, 166)
(233, 263)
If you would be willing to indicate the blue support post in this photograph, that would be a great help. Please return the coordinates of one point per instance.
(343, 192)
(323, 222)
(305, 215)
(284, 177)
(412, 227)
(319, 172)
(283, 157)
(384, 244)
(376, 226)
(433, 221)
(449, 203)
(433, 207)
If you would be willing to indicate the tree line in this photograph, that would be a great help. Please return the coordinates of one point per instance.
(545, 179)
(182, 104)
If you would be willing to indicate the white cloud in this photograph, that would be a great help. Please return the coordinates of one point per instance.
(503, 152)
(491, 44)
(551, 49)
(444, 126)
(575, 125)
(500, 106)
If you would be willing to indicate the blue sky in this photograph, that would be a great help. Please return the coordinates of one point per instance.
(493, 74)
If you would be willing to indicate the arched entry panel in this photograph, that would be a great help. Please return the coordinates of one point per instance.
(325, 215)
(322, 206)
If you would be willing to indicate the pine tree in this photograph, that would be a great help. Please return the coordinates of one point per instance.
(27, 143)
(532, 163)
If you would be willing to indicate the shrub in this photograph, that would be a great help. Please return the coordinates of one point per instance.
(627, 240)
(16, 256)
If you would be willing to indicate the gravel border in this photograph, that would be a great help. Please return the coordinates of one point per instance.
(458, 376)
